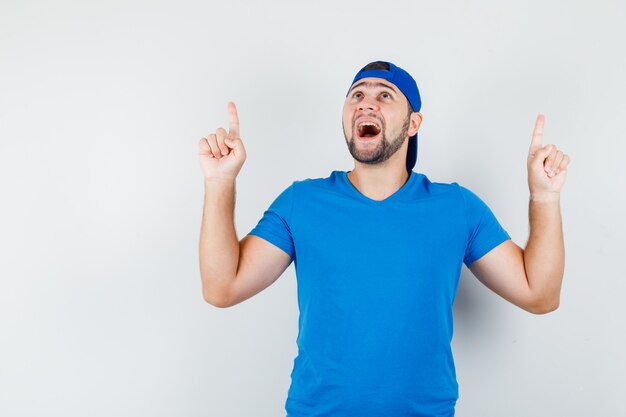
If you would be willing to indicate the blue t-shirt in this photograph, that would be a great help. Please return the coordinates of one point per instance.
(376, 281)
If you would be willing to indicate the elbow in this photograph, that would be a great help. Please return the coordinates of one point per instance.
(217, 304)
(544, 306)
(216, 299)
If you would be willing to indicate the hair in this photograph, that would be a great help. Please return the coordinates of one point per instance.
(376, 65)
(381, 65)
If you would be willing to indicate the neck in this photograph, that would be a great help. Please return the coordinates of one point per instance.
(377, 182)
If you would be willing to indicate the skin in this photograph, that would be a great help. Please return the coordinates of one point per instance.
(376, 151)
(233, 271)
(531, 278)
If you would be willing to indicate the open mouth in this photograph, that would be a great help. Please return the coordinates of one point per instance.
(368, 130)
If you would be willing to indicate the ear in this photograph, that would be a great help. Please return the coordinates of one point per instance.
(416, 121)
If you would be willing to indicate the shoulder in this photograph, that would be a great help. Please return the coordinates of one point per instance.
(452, 192)
(438, 189)
(316, 183)
(448, 188)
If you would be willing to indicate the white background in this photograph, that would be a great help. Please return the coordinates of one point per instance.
(102, 105)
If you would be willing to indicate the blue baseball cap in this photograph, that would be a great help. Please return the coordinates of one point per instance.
(405, 83)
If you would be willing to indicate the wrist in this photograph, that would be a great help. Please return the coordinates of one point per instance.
(215, 184)
(545, 196)
(219, 180)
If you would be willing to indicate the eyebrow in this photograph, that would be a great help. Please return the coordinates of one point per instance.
(371, 84)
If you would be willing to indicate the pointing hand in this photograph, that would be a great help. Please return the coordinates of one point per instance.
(222, 154)
(547, 166)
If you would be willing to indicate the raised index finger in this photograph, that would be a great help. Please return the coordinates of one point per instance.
(537, 139)
(233, 120)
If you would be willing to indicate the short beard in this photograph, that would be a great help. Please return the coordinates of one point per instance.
(385, 148)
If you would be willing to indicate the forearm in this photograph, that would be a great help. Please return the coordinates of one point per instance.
(219, 245)
(544, 255)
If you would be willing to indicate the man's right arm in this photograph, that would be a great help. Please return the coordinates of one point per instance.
(231, 271)
(219, 248)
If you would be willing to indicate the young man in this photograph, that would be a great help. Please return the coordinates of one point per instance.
(378, 252)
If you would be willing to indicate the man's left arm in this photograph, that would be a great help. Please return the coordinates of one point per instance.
(531, 278)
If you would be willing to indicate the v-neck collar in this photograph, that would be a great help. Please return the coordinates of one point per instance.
(343, 177)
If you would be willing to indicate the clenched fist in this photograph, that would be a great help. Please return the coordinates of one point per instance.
(222, 154)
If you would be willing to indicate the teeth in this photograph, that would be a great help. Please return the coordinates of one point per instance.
(369, 124)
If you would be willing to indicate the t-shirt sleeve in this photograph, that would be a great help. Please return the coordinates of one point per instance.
(274, 225)
(484, 231)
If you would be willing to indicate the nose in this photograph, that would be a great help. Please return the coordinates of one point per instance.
(368, 103)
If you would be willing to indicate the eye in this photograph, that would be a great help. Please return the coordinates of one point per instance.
(357, 94)
(385, 95)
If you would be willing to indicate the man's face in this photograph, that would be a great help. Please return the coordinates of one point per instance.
(376, 120)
